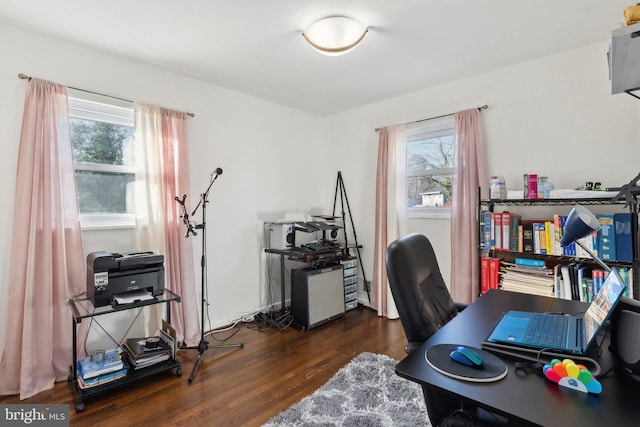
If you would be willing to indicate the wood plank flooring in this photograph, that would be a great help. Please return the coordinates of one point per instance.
(238, 386)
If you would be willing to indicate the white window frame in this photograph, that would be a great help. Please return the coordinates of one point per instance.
(425, 130)
(94, 107)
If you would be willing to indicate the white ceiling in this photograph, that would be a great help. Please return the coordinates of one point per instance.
(255, 46)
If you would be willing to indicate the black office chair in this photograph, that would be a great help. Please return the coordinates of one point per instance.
(420, 293)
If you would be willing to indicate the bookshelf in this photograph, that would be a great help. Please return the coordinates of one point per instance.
(542, 211)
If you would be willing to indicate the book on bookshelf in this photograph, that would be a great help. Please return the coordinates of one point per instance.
(514, 232)
(497, 230)
(527, 238)
(506, 230)
(529, 261)
(484, 274)
(489, 233)
(532, 279)
(624, 250)
(557, 228)
(494, 273)
(606, 237)
(626, 274)
(539, 238)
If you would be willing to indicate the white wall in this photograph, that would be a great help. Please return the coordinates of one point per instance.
(547, 116)
(261, 146)
(553, 116)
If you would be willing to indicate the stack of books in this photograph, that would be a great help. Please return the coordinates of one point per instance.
(143, 352)
(92, 374)
(528, 276)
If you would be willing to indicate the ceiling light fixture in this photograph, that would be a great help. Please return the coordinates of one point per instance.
(335, 35)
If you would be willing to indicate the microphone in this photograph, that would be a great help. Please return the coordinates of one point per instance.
(217, 171)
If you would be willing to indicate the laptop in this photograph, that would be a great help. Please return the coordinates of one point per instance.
(560, 332)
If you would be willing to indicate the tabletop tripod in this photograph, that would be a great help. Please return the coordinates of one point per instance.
(203, 345)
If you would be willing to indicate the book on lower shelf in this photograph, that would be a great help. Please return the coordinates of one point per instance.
(109, 363)
(147, 351)
(530, 279)
(94, 373)
(101, 379)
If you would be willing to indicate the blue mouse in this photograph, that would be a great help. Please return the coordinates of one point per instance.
(466, 356)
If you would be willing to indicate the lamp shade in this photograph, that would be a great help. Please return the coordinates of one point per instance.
(580, 223)
(335, 35)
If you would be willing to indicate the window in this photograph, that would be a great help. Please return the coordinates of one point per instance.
(430, 164)
(102, 138)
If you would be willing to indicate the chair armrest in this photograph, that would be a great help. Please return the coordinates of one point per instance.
(411, 346)
(460, 306)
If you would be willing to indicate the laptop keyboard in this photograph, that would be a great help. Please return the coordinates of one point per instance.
(547, 330)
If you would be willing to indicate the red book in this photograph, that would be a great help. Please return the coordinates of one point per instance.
(484, 275)
(494, 268)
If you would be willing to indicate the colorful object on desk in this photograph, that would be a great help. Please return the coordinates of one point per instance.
(568, 374)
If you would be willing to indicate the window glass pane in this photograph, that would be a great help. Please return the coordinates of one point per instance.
(430, 154)
(102, 131)
(430, 165)
(429, 191)
(100, 192)
(101, 142)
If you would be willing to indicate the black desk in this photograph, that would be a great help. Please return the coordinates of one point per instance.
(523, 399)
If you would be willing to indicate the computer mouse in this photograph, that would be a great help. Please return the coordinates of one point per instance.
(466, 356)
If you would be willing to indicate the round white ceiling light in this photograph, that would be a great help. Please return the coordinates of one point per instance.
(335, 35)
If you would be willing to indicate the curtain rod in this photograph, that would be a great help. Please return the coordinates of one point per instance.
(26, 77)
(482, 107)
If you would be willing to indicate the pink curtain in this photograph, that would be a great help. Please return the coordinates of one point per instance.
(470, 174)
(379, 282)
(179, 250)
(389, 213)
(47, 263)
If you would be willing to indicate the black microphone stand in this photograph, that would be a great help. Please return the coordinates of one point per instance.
(203, 345)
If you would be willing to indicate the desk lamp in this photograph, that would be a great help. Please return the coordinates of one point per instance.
(625, 322)
(581, 222)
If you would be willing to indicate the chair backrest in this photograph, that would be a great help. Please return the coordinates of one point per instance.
(420, 293)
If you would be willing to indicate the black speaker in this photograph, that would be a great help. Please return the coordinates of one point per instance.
(625, 336)
(317, 295)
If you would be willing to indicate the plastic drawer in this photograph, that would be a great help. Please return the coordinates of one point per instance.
(351, 305)
(350, 297)
(350, 280)
(350, 288)
(350, 271)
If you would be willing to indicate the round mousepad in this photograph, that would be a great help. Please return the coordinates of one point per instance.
(493, 368)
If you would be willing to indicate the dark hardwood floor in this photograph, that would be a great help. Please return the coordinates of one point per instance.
(238, 386)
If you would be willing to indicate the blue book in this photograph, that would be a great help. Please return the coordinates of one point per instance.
(624, 251)
(606, 237)
(110, 363)
(530, 262)
(488, 243)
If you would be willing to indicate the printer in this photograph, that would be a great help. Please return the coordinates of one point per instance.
(114, 274)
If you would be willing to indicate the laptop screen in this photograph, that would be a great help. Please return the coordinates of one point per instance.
(603, 303)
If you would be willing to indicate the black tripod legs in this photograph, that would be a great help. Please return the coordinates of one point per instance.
(204, 346)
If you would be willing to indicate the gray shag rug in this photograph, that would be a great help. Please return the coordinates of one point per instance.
(364, 393)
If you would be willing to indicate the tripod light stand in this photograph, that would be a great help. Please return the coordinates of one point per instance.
(340, 189)
(203, 345)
